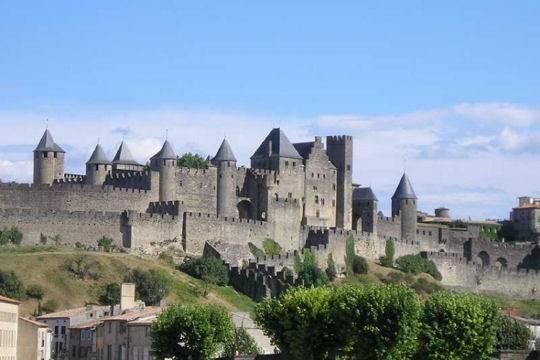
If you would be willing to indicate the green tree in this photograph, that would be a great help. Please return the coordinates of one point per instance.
(512, 335)
(360, 265)
(83, 267)
(302, 323)
(307, 270)
(11, 236)
(110, 295)
(350, 255)
(49, 306)
(271, 247)
(241, 344)
(193, 161)
(381, 322)
(415, 264)
(209, 269)
(194, 332)
(11, 286)
(36, 292)
(330, 271)
(106, 243)
(389, 252)
(151, 286)
(458, 326)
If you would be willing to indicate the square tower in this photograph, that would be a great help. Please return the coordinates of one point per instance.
(340, 153)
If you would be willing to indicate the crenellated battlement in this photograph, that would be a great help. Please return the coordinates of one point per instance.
(214, 217)
(164, 207)
(194, 172)
(339, 138)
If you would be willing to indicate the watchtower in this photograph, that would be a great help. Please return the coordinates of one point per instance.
(404, 205)
(165, 162)
(340, 153)
(48, 160)
(225, 161)
(97, 167)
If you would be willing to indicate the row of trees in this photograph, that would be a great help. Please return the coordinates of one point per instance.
(380, 322)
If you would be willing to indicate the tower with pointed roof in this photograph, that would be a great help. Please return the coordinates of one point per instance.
(165, 163)
(48, 160)
(276, 153)
(340, 153)
(123, 160)
(404, 205)
(97, 167)
(225, 162)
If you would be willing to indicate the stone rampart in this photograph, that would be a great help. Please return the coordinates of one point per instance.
(197, 189)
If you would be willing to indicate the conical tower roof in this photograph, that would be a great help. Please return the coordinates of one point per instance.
(98, 156)
(224, 153)
(47, 143)
(365, 193)
(166, 153)
(281, 146)
(404, 189)
(123, 156)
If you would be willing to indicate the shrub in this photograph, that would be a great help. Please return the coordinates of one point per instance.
(389, 251)
(49, 306)
(11, 286)
(193, 161)
(458, 326)
(35, 292)
(242, 344)
(109, 294)
(271, 247)
(10, 236)
(106, 243)
(512, 335)
(191, 332)
(151, 286)
(307, 270)
(83, 267)
(330, 268)
(350, 254)
(207, 268)
(360, 265)
(415, 264)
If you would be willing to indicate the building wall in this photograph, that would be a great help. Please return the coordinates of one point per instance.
(9, 315)
(140, 342)
(33, 341)
(197, 189)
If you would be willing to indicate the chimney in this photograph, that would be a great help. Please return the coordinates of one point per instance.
(127, 297)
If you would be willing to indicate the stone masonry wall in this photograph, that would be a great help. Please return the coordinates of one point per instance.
(197, 189)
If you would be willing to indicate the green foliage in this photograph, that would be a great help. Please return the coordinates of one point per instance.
(255, 250)
(330, 271)
(83, 267)
(11, 286)
(458, 326)
(380, 322)
(49, 306)
(109, 294)
(389, 251)
(271, 247)
(350, 254)
(415, 264)
(241, 344)
(194, 332)
(360, 265)
(207, 268)
(512, 335)
(307, 270)
(425, 287)
(10, 236)
(192, 161)
(302, 323)
(106, 243)
(35, 292)
(151, 286)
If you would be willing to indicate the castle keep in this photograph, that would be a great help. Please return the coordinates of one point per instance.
(301, 195)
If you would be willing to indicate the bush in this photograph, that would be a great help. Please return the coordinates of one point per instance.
(458, 326)
(49, 306)
(241, 344)
(389, 250)
(109, 294)
(191, 332)
(83, 267)
(35, 292)
(307, 270)
(207, 268)
(360, 265)
(10, 236)
(330, 271)
(106, 243)
(350, 254)
(415, 264)
(151, 286)
(11, 286)
(271, 247)
(512, 335)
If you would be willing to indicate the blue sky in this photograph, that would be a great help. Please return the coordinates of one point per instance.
(451, 89)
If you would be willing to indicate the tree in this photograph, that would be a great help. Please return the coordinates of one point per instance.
(381, 322)
(303, 323)
(83, 267)
(330, 271)
(110, 295)
(10, 236)
(151, 286)
(194, 332)
(241, 344)
(49, 306)
(11, 286)
(360, 265)
(106, 243)
(458, 326)
(350, 255)
(271, 247)
(307, 270)
(415, 264)
(389, 252)
(209, 269)
(36, 292)
(193, 161)
(512, 335)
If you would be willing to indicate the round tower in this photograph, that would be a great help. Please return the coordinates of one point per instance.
(165, 163)
(225, 162)
(48, 160)
(404, 205)
(97, 167)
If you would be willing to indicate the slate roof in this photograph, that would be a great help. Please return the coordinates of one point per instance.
(98, 156)
(281, 146)
(167, 152)
(404, 189)
(364, 193)
(47, 143)
(225, 152)
(123, 156)
(304, 148)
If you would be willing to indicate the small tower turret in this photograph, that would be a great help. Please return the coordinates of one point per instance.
(48, 160)
(97, 167)
(365, 210)
(225, 161)
(165, 162)
(404, 205)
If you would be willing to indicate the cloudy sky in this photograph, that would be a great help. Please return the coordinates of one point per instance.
(448, 92)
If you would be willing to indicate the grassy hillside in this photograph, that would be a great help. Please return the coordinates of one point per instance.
(46, 266)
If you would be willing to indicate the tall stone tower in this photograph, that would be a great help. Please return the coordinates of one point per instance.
(404, 205)
(225, 161)
(365, 210)
(340, 153)
(165, 162)
(48, 160)
(97, 167)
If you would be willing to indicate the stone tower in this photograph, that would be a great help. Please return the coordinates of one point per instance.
(365, 210)
(97, 167)
(404, 205)
(340, 153)
(48, 160)
(276, 153)
(225, 161)
(165, 162)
